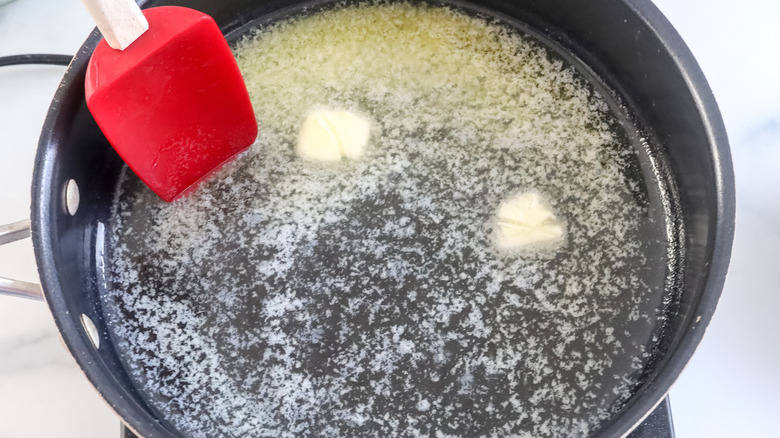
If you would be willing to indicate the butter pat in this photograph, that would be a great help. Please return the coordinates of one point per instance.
(331, 135)
(525, 219)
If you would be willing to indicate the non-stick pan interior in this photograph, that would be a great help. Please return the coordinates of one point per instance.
(680, 158)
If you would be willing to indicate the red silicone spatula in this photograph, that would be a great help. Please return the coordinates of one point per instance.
(165, 90)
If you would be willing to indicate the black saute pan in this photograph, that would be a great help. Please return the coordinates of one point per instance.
(627, 44)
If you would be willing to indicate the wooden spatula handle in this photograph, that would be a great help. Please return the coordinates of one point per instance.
(120, 21)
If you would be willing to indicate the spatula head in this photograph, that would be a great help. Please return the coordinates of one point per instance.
(173, 104)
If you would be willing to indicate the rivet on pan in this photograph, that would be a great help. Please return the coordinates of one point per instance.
(92, 332)
(71, 197)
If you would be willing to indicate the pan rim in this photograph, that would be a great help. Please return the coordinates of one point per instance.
(44, 220)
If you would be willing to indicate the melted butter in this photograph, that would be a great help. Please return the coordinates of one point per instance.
(368, 298)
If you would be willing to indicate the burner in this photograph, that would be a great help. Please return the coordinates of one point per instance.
(658, 424)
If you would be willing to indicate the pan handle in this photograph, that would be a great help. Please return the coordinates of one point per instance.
(11, 233)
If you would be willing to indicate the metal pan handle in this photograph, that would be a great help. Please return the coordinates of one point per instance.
(20, 230)
(11, 233)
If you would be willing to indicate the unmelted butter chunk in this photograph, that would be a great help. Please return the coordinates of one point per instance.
(331, 135)
(525, 219)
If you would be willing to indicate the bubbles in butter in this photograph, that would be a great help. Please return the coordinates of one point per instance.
(329, 135)
(524, 220)
(368, 298)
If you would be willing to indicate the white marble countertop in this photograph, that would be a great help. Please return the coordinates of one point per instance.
(731, 387)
